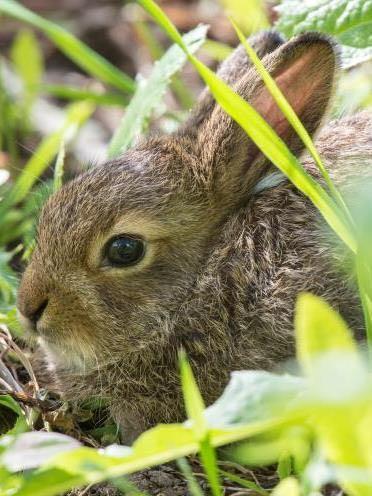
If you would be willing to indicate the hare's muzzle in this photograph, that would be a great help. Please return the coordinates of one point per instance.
(30, 316)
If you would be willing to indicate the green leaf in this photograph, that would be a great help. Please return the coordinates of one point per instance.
(287, 487)
(51, 482)
(255, 395)
(77, 51)
(350, 22)
(150, 91)
(31, 449)
(319, 329)
(350, 57)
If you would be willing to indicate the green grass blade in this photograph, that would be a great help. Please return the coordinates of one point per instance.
(195, 411)
(219, 51)
(192, 483)
(270, 144)
(66, 92)
(27, 60)
(162, 20)
(76, 115)
(149, 92)
(77, 51)
(180, 90)
(292, 118)
(364, 275)
(58, 170)
(193, 401)
(244, 483)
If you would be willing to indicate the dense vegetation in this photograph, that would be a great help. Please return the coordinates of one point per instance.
(316, 426)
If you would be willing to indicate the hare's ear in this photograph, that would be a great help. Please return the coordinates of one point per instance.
(231, 71)
(304, 69)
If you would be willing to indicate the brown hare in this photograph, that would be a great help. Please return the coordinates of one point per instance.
(191, 240)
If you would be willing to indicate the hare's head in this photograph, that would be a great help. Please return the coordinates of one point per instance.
(120, 247)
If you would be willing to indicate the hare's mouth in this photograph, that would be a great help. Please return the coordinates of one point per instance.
(66, 355)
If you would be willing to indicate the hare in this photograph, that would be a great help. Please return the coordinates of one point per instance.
(190, 240)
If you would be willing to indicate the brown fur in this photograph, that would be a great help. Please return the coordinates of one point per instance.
(224, 264)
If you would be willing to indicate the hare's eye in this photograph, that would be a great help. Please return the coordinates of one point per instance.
(123, 251)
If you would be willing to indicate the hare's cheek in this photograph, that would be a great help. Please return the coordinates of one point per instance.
(71, 358)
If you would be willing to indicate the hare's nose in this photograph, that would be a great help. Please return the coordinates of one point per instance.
(33, 313)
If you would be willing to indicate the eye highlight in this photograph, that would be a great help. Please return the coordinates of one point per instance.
(124, 250)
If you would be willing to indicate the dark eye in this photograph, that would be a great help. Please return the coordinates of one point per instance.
(123, 251)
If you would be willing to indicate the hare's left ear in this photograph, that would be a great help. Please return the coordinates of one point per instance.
(304, 69)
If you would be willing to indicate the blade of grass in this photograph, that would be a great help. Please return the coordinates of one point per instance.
(195, 411)
(178, 87)
(244, 483)
(58, 170)
(73, 93)
(28, 62)
(76, 115)
(364, 274)
(150, 91)
(192, 483)
(219, 51)
(77, 51)
(292, 118)
(270, 144)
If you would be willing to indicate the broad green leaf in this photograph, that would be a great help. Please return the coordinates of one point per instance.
(270, 144)
(31, 449)
(9, 402)
(255, 395)
(77, 51)
(150, 91)
(319, 329)
(287, 487)
(28, 63)
(76, 115)
(156, 446)
(20, 424)
(350, 22)
(50, 482)
(327, 351)
(340, 399)
(350, 57)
